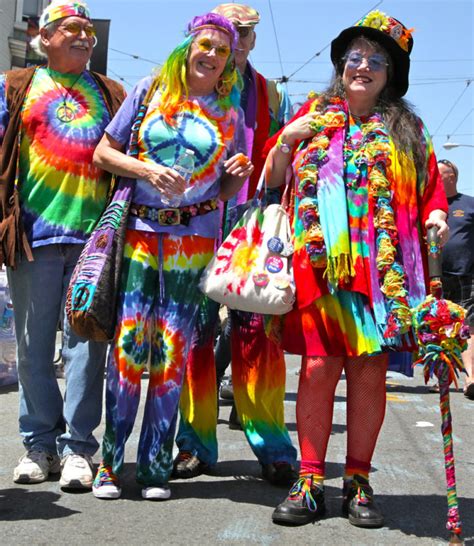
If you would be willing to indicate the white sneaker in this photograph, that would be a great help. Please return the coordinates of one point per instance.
(35, 466)
(156, 493)
(106, 483)
(76, 472)
(107, 491)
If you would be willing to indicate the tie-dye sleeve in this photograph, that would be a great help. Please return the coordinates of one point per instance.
(4, 115)
(431, 190)
(286, 110)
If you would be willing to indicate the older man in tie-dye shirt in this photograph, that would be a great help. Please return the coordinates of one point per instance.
(51, 118)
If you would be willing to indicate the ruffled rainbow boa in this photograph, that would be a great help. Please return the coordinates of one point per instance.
(328, 209)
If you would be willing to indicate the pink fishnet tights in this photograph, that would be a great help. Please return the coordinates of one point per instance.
(366, 397)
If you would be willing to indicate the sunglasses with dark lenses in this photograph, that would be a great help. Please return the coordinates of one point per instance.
(76, 28)
(205, 45)
(243, 31)
(375, 62)
(450, 165)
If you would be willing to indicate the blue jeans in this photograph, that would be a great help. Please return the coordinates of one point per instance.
(47, 422)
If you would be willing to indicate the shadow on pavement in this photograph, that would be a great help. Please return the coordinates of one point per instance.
(5, 389)
(425, 515)
(417, 389)
(291, 397)
(422, 516)
(251, 470)
(18, 504)
(238, 481)
(336, 428)
(243, 489)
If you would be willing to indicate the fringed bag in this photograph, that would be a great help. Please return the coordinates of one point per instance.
(92, 297)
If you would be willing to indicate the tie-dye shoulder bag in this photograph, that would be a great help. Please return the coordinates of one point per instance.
(251, 270)
(92, 297)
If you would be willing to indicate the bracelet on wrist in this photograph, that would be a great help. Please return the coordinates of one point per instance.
(283, 147)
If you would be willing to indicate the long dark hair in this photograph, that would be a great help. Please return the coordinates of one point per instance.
(402, 123)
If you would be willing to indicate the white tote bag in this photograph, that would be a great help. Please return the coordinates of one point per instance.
(251, 270)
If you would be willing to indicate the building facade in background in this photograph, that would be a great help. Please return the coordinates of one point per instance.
(19, 24)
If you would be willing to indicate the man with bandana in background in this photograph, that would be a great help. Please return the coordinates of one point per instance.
(258, 365)
(51, 119)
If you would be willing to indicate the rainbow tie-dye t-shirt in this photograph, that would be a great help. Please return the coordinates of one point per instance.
(62, 193)
(201, 125)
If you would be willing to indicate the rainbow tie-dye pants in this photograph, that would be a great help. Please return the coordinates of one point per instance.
(157, 311)
(258, 378)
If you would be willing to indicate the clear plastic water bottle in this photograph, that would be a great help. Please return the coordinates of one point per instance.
(185, 167)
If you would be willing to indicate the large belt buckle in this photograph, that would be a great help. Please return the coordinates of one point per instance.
(169, 217)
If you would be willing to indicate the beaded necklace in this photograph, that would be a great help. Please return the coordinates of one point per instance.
(371, 157)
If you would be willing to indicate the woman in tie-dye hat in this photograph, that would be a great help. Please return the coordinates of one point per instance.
(366, 187)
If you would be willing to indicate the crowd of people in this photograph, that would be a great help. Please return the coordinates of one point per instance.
(365, 186)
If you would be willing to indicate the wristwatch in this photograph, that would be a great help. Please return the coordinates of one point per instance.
(283, 146)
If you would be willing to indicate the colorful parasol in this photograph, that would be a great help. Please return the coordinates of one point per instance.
(442, 336)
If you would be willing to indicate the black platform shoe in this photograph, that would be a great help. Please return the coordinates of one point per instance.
(358, 504)
(304, 504)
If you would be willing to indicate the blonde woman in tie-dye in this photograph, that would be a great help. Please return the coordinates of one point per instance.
(166, 251)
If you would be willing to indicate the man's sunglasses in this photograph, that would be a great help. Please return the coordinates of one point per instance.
(243, 31)
(76, 28)
(450, 165)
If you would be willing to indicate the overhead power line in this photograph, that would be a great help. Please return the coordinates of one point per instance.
(463, 119)
(414, 61)
(413, 83)
(468, 83)
(119, 77)
(317, 54)
(423, 81)
(276, 40)
(459, 134)
(136, 57)
(441, 61)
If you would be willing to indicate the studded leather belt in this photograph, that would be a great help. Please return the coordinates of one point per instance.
(173, 216)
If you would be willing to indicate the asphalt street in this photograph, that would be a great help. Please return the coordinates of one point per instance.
(233, 505)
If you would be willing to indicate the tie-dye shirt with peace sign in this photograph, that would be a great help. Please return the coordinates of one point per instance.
(62, 194)
(201, 125)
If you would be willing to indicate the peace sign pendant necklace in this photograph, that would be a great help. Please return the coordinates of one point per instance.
(64, 113)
